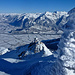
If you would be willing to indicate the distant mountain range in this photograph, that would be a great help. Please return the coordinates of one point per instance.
(32, 22)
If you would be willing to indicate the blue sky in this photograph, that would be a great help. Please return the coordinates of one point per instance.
(35, 6)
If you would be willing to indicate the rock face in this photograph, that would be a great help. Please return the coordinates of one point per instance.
(66, 47)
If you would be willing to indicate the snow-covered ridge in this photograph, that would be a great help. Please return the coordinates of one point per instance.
(36, 47)
(32, 15)
(55, 14)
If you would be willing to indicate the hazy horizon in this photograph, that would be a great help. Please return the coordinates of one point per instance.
(35, 6)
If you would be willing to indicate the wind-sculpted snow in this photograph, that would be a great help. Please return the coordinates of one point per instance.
(66, 47)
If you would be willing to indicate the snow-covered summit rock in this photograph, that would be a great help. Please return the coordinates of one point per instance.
(48, 13)
(36, 47)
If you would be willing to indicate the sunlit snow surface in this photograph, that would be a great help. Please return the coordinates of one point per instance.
(3, 50)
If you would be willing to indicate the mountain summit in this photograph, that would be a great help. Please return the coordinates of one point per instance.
(36, 47)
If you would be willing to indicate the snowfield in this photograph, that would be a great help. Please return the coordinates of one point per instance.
(13, 41)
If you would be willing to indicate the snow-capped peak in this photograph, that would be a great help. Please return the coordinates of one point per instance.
(48, 13)
(38, 47)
